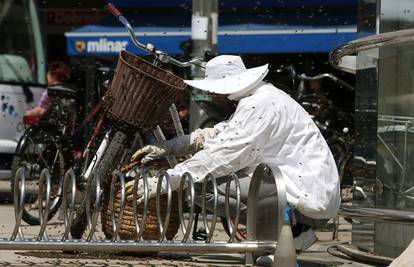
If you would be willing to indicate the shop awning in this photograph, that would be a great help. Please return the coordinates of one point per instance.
(241, 33)
(236, 39)
(233, 3)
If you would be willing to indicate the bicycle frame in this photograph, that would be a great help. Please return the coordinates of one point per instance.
(97, 157)
(161, 56)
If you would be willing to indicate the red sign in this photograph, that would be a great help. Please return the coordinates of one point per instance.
(75, 17)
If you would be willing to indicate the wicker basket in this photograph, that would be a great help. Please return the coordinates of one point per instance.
(141, 93)
(127, 228)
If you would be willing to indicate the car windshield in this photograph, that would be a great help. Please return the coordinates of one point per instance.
(21, 50)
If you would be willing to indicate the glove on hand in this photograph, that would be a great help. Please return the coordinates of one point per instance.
(198, 137)
(152, 189)
(149, 153)
(189, 144)
(179, 146)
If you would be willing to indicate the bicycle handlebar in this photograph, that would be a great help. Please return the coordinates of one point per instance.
(304, 77)
(111, 8)
(162, 56)
(345, 84)
(326, 75)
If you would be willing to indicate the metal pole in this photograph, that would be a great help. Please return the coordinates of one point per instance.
(378, 215)
(159, 135)
(143, 246)
(204, 24)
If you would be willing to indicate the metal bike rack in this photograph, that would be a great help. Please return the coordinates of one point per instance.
(401, 124)
(261, 237)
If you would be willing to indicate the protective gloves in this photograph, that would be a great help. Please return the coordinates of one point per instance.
(149, 153)
(198, 137)
(179, 146)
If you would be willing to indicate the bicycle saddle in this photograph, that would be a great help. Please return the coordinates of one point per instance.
(61, 91)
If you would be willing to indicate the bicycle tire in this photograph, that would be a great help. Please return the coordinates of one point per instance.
(105, 165)
(19, 160)
(240, 235)
(339, 152)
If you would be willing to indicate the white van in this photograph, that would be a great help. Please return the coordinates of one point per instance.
(22, 72)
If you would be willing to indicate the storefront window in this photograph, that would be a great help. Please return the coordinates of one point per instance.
(384, 145)
(395, 135)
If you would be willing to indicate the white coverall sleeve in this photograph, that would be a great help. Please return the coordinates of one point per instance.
(237, 145)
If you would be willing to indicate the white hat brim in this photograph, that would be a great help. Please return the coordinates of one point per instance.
(231, 84)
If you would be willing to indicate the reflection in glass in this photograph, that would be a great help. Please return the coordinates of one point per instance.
(21, 50)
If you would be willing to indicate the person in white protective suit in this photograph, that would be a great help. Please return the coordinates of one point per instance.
(268, 127)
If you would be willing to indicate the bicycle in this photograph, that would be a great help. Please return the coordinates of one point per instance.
(47, 143)
(126, 120)
(41, 146)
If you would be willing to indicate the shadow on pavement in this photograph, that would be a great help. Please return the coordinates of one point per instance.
(131, 259)
(5, 192)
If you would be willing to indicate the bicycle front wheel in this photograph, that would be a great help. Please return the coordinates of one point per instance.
(108, 161)
(38, 149)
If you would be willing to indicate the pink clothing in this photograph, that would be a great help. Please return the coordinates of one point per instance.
(44, 100)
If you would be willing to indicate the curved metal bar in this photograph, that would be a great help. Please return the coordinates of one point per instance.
(186, 229)
(117, 225)
(151, 49)
(261, 171)
(92, 218)
(280, 187)
(68, 219)
(176, 120)
(163, 226)
(370, 42)
(232, 226)
(209, 229)
(159, 135)
(18, 201)
(253, 230)
(140, 228)
(43, 215)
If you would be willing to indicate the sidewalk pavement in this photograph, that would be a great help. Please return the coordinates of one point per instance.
(315, 256)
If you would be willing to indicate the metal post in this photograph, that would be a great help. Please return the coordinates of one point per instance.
(264, 214)
(159, 135)
(204, 24)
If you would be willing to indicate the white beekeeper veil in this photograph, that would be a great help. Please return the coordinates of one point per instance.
(227, 75)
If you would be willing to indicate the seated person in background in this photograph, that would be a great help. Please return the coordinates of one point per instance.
(268, 127)
(58, 73)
